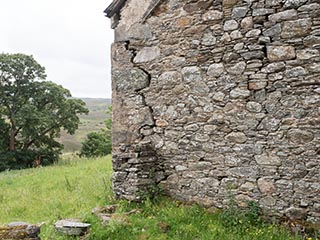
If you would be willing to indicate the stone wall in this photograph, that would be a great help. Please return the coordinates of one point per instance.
(213, 98)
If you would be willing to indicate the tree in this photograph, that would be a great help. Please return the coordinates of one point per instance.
(33, 111)
(98, 143)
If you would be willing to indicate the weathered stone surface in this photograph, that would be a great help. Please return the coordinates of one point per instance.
(71, 227)
(281, 16)
(280, 53)
(147, 54)
(131, 79)
(308, 53)
(237, 137)
(295, 72)
(266, 159)
(257, 85)
(20, 230)
(274, 67)
(229, 99)
(294, 3)
(230, 25)
(253, 33)
(266, 186)
(239, 93)
(216, 69)
(169, 79)
(191, 74)
(299, 136)
(208, 39)
(237, 68)
(239, 12)
(262, 11)
(297, 28)
(254, 107)
(247, 23)
(212, 15)
(273, 31)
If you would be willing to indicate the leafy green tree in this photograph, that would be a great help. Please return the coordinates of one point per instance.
(33, 111)
(98, 143)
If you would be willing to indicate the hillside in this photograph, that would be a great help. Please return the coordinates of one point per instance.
(89, 123)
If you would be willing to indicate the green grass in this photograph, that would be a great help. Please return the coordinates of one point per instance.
(73, 187)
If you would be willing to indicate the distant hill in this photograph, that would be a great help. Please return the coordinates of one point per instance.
(89, 123)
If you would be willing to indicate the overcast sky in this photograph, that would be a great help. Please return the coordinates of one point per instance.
(70, 38)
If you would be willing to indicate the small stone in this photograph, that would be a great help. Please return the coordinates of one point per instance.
(183, 22)
(191, 74)
(314, 67)
(266, 186)
(212, 15)
(237, 137)
(273, 31)
(180, 168)
(208, 39)
(192, 127)
(296, 213)
(254, 107)
(230, 25)
(239, 93)
(219, 96)
(230, 57)
(161, 123)
(236, 34)
(274, 67)
(309, 7)
(265, 159)
(268, 201)
(312, 41)
(170, 79)
(202, 137)
(239, 12)
(237, 68)
(297, 28)
(210, 129)
(308, 53)
(247, 23)
(229, 3)
(282, 16)
(253, 33)
(299, 136)
(257, 85)
(215, 70)
(273, 3)
(147, 54)
(295, 72)
(238, 46)
(280, 53)
(294, 3)
(262, 11)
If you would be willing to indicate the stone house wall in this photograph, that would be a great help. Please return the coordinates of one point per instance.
(213, 98)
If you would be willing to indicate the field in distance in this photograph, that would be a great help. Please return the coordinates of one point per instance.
(89, 123)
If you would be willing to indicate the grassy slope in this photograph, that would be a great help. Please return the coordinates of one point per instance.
(89, 123)
(72, 188)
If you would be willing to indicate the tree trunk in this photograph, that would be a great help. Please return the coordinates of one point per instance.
(12, 144)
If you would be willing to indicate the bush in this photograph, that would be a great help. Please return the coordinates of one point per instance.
(97, 145)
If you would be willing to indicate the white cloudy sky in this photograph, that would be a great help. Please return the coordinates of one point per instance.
(70, 38)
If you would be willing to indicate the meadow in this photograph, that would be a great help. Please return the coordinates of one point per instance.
(94, 121)
(73, 187)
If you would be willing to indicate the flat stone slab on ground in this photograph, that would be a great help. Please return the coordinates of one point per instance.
(72, 227)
